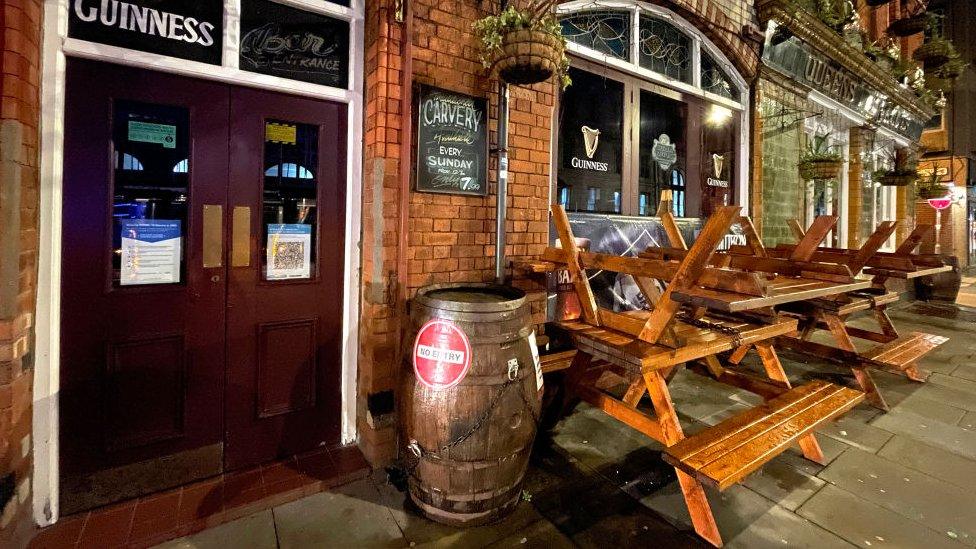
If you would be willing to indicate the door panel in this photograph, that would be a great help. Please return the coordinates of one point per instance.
(287, 181)
(142, 358)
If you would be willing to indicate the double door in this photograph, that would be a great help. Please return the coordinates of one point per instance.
(202, 276)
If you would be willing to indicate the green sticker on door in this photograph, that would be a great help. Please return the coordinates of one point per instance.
(147, 132)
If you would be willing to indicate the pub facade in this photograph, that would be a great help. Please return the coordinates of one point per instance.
(223, 207)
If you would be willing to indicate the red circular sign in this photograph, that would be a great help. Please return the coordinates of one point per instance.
(940, 203)
(441, 354)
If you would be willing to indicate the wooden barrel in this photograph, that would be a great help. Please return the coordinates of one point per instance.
(470, 441)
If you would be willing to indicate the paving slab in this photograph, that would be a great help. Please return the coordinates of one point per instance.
(734, 509)
(966, 368)
(936, 433)
(596, 440)
(868, 525)
(946, 394)
(785, 482)
(932, 409)
(539, 535)
(968, 421)
(932, 461)
(255, 531)
(349, 516)
(930, 502)
(852, 429)
(781, 528)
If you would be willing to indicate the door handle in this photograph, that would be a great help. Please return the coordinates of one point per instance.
(213, 236)
(240, 239)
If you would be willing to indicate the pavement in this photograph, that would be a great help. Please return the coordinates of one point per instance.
(903, 479)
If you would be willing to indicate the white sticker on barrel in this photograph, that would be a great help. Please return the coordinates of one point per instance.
(535, 360)
(441, 354)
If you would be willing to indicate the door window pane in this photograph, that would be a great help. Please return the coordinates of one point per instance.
(150, 194)
(664, 49)
(719, 129)
(662, 149)
(591, 143)
(290, 211)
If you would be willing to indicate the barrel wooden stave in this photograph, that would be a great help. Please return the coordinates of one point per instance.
(478, 480)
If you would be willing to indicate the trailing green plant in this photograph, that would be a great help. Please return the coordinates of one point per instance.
(538, 17)
(931, 186)
(896, 177)
(820, 160)
(836, 14)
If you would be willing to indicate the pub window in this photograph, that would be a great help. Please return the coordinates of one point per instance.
(590, 143)
(129, 162)
(662, 146)
(607, 32)
(678, 194)
(714, 80)
(664, 49)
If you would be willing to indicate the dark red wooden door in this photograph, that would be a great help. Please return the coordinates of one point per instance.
(287, 192)
(184, 352)
(142, 345)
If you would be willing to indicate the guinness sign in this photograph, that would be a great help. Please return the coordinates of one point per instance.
(188, 29)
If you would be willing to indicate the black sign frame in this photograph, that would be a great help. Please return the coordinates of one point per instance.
(184, 29)
(288, 42)
(427, 138)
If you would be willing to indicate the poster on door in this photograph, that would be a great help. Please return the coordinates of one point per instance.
(289, 251)
(151, 251)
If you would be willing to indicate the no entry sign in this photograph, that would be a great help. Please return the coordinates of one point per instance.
(441, 354)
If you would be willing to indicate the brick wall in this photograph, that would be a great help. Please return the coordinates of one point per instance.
(451, 238)
(20, 35)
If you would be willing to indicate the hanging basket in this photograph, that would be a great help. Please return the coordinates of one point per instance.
(876, 3)
(938, 83)
(932, 55)
(907, 26)
(528, 57)
(820, 169)
(897, 180)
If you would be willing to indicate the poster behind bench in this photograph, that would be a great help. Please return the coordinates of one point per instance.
(452, 142)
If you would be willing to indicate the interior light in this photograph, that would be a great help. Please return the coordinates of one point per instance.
(718, 115)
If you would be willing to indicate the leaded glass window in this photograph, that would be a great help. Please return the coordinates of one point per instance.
(607, 32)
(664, 49)
(714, 79)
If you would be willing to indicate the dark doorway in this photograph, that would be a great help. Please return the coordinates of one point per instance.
(201, 279)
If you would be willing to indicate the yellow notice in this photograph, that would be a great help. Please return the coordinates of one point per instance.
(280, 133)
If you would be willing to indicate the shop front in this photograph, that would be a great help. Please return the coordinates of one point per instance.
(198, 233)
(655, 109)
(818, 94)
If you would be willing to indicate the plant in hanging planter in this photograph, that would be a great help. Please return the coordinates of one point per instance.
(931, 187)
(524, 46)
(898, 177)
(887, 57)
(820, 161)
(943, 78)
(836, 14)
(934, 53)
(907, 26)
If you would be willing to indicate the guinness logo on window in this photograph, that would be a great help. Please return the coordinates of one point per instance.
(591, 139)
(718, 162)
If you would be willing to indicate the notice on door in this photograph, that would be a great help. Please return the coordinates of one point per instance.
(289, 251)
(150, 251)
(441, 354)
(147, 132)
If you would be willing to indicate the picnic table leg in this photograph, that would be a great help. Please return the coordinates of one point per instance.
(635, 391)
(693, 491)
(738, 354)
(774, 370)
(861, 374)
(884, 321)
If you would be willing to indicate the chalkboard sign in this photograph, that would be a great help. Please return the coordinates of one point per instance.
(291, 43)
(452, 142)
(188, 29)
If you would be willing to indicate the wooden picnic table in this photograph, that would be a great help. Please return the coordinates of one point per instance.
(893, 352)
(690, 323)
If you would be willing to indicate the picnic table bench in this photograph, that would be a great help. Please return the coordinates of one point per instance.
(689, 323)
(894, 352)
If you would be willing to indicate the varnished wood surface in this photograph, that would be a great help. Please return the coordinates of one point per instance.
(725, 453)
(905, 350)
(781, 290)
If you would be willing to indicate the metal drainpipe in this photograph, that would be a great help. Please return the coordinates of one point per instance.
(502, 191)
(406, 133)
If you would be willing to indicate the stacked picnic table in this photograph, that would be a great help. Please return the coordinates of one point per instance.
(708, 310)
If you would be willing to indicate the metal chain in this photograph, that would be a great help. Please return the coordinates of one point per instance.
(416, 452)
(686, 317)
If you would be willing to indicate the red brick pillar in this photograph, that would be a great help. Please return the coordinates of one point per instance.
(20, 40)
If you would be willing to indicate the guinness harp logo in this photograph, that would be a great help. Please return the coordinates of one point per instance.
(591, 139)
(718, 162)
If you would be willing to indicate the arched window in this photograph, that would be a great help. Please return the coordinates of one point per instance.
(183, 166)
(128, 163)
(289, 169)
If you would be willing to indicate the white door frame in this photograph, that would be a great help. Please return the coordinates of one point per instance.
(56, 47)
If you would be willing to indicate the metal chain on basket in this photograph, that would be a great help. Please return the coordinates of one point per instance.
(686, 317)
